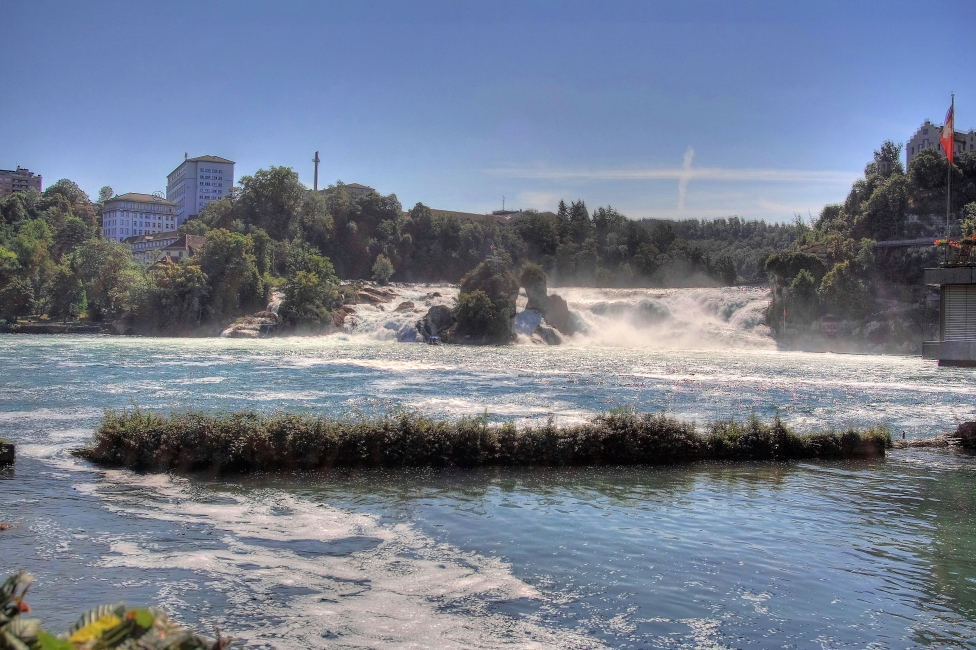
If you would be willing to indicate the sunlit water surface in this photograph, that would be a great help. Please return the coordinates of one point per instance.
(765, 555)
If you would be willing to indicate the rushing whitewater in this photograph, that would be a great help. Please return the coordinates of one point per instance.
(769, 555)
(718, 318)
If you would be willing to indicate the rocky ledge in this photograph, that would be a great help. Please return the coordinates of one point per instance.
(963, 438)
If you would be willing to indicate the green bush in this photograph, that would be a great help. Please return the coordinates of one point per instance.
(480, 317)
(103, 628)
(248, 441)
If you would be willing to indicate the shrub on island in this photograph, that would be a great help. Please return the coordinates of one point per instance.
(249, 441)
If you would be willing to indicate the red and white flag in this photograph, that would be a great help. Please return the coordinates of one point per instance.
(948, 135)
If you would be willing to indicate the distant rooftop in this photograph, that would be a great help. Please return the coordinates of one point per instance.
(214, 159)
(171, 235)
(472, 216)
(141, 198)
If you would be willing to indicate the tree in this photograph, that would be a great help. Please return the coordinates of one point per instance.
(179, 298)
(842, 292)
(887, 161)
(382, 269)
(66, 295)
(72, 233)
(969, 220)
(308, 301)
(111, 279)
(724, 268)
(272, 199)
(32, 246)
(804, 292)
(228, 261)
(196, 226)
(486, 302)
(16, 298)
(302, 257)
(479, 317)
(580, 226)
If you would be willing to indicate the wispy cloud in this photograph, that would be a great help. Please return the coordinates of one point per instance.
(683, 174)
(685, 177)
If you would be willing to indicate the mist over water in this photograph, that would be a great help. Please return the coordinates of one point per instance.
(713, 318)
(809, 555)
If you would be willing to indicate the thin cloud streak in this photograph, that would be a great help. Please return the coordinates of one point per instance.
(683, 174)
(685, 177)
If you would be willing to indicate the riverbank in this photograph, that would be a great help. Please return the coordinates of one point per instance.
(52, 328)
(247, 441)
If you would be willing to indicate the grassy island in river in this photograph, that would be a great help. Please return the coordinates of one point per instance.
(249, 441)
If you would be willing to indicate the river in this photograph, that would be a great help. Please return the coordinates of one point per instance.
(768, 555)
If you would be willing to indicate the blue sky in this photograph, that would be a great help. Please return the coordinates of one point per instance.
(774, 108)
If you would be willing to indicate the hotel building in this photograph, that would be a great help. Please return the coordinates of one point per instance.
(197, 182)
(137, 214)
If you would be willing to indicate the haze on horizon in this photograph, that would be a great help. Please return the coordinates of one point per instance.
(670, 109)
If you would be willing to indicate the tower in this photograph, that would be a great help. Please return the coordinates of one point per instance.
(315, 185)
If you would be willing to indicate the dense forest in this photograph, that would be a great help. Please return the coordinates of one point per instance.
(272, 232)
(834, 272)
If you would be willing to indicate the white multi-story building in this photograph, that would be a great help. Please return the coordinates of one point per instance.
(197, 182)
(137, 214)
(927, 137)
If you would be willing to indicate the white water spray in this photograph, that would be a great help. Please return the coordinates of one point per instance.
(713, 318)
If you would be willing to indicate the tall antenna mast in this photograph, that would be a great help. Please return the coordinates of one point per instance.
(315, 185)
(503, 202)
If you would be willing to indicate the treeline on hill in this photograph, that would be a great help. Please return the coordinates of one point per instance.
(834, 272)
(574, 246)
(273, 232)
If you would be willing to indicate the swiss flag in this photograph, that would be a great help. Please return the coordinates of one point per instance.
(948, 135)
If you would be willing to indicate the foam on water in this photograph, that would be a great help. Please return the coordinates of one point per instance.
(715, 318)
(355, 583)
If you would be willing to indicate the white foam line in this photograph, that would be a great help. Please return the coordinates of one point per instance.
(394, 595)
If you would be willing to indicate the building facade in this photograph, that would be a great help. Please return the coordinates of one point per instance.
(137, 214)
(927, 137)
(149, 249)
(197, 182)
(145, 248)
(957, 316)
(19, 180)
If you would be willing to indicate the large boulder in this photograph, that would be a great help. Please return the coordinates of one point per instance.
(965, 435)
(548, 334)
(339, 316)
(560, 317)
(533, 279)
(437, 320)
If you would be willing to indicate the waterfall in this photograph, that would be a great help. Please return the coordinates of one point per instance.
(715, 318)
(723, 317)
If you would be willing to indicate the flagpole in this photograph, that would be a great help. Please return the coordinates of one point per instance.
(952, 145)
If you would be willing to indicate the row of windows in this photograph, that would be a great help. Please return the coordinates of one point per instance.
(219, 178)
(959, 147)
(214, 184)
(211, 170)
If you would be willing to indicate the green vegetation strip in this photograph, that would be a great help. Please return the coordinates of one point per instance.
(249, 441)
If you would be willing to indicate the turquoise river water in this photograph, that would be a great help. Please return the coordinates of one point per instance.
(756, 555)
